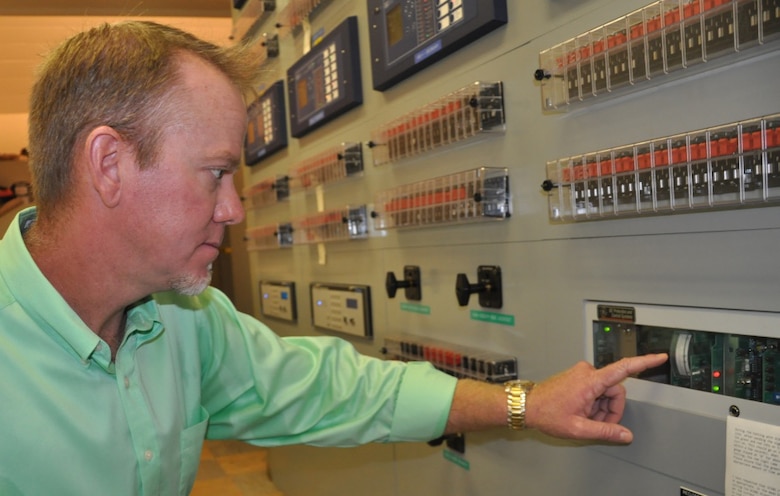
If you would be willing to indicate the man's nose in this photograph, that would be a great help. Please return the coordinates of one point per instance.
(229, 209)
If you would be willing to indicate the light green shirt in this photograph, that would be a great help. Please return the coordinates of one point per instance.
(72, 422)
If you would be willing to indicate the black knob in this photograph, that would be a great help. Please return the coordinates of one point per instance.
(436, 442)
(540, 74)
(547, 185)
(464, 289)
(392, 284)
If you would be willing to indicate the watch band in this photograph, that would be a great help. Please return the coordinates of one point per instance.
(516, 394)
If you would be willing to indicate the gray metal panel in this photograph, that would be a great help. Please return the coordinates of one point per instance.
(722, 259)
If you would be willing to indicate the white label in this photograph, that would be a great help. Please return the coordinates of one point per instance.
(752, 458)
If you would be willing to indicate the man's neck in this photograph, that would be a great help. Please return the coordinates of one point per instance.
(79, 273)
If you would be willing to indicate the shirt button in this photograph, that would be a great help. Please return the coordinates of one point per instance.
(99, 346)
(127, 383)
(148, 455)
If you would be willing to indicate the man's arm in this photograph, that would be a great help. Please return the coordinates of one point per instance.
(579, 403)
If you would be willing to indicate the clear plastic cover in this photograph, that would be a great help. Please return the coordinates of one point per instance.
(267, 192)
(268, 237)
(248, 19)
(475, 195)
(667, 36)
(334, 225)
(335, 164)
(456, 360)
(294, 13)
(730, 166)
(475, 109)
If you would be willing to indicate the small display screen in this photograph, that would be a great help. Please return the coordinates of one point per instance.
(303, 94)
(316, 84)
(409, 35)
(395, 25)
(266, 131)
(251, 134)
(325, 82)
(352, 303)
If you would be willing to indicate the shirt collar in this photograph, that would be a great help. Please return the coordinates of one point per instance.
(45, 306)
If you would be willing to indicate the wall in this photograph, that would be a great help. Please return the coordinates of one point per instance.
(14, 135)
(713, 259)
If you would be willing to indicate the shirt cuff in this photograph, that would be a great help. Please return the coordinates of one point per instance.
(423, 403)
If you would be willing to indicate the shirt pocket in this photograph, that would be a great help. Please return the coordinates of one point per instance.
(191, 445)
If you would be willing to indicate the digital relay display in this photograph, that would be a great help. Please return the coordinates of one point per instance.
(325, 82)
(409, 35)
(267, 129)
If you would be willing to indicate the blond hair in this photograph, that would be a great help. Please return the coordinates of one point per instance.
(120, 75)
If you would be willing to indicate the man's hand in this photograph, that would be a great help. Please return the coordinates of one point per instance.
(585, 403)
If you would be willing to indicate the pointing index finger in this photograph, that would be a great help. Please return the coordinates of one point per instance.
(615, 373)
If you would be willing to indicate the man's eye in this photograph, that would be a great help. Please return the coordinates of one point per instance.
(218, 173)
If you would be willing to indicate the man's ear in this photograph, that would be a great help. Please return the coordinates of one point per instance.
(103, 150)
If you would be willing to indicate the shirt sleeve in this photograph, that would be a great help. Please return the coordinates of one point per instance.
(273, 391)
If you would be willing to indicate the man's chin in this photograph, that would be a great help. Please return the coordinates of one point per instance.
(191, 284)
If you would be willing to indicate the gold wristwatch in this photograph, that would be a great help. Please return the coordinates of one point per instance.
(516, 394)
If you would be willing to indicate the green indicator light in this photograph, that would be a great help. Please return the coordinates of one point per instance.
(607, 328)
(715, 389)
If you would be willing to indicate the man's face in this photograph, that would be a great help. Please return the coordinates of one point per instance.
(183, 202)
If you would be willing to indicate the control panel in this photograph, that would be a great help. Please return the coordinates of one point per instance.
(409, 35)
(267, 128)
(733, 354)
(278, 300)
(660, 189)
(325, 82)
(344, 308)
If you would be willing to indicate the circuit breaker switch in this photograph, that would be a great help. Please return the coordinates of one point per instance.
(410, 283)
(488, 287)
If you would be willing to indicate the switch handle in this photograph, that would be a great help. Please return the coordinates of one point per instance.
(392, 284)
(464, 289)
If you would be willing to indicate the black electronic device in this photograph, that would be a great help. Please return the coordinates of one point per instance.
(409, 35)
(325, 82)
(267, 129)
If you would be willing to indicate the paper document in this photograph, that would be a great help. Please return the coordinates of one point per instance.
(752, 458)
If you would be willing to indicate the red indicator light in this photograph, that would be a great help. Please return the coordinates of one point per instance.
(716, 374)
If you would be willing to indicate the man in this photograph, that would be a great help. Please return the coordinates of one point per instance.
(116, 358)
